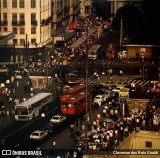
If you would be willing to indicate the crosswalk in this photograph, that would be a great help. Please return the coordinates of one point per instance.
(89, 80)
(137, 82)
(129, 82)
(100, 62)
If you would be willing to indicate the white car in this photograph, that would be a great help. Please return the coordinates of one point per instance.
(58, 119)
(99, 99)
(18, 75)
(38, 135)
(117, 89)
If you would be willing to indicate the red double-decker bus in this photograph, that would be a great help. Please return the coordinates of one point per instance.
(76, 104)
(68, 92)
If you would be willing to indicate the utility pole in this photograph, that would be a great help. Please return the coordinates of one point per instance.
(14, 57)
(86, 116)
(143, 71)
(121, 30)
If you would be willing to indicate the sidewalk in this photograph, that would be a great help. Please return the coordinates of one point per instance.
(20, 93)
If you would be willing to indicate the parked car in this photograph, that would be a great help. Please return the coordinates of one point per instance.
(58, 119)
(38, 135)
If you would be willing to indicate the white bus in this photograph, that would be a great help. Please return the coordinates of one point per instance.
(93, 51)
(32, 107)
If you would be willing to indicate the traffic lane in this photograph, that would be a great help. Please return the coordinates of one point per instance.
(15, 125)
(21, 140)
(18, 135)
(29, 144)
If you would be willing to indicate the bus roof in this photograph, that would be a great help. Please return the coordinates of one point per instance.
(34, 99)
(75, 98)
(74, 89)
(95, 47)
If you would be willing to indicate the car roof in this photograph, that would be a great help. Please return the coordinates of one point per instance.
(98, 95)
(57, 115)
(37, 131)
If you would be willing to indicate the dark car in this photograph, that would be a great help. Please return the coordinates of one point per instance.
(98, 89)
(2, 107)
(50, 127)
(73, 77)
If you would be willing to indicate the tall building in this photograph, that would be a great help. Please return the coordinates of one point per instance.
(34, 22)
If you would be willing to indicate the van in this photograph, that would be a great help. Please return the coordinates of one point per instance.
(93, 51)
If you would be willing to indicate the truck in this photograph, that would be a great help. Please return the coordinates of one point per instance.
(99, 99)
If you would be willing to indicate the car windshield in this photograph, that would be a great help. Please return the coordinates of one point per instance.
(56, 117)
(97, 97)
(72, 75)
(21, 111)
(35, 134)
(92, 53)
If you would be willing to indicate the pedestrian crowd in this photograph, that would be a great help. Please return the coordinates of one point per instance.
(110, 126)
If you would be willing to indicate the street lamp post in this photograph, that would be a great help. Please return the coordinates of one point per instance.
(108, 64)
(14, 58)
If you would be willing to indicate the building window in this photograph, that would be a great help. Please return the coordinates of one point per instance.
(14, 17)
(14, 3)
(22, 42)
(22, 31)
(148, 144)
(33, 3)
(33, 17)
(21, 3)
(22, 18)
(15, 41)
(15, 30)
(33, 40)
(5, 29)
(4, 16)
(4, 3)
(33, 30)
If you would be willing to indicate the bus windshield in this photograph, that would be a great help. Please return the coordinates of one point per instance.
(21, 111)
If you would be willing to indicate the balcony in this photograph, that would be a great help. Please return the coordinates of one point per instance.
(3, 23)
(18, 23)
(34, 23)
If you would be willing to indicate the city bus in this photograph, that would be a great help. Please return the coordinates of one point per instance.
(76, 104)
(68, 92)
(93, 51)
(32, 107)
